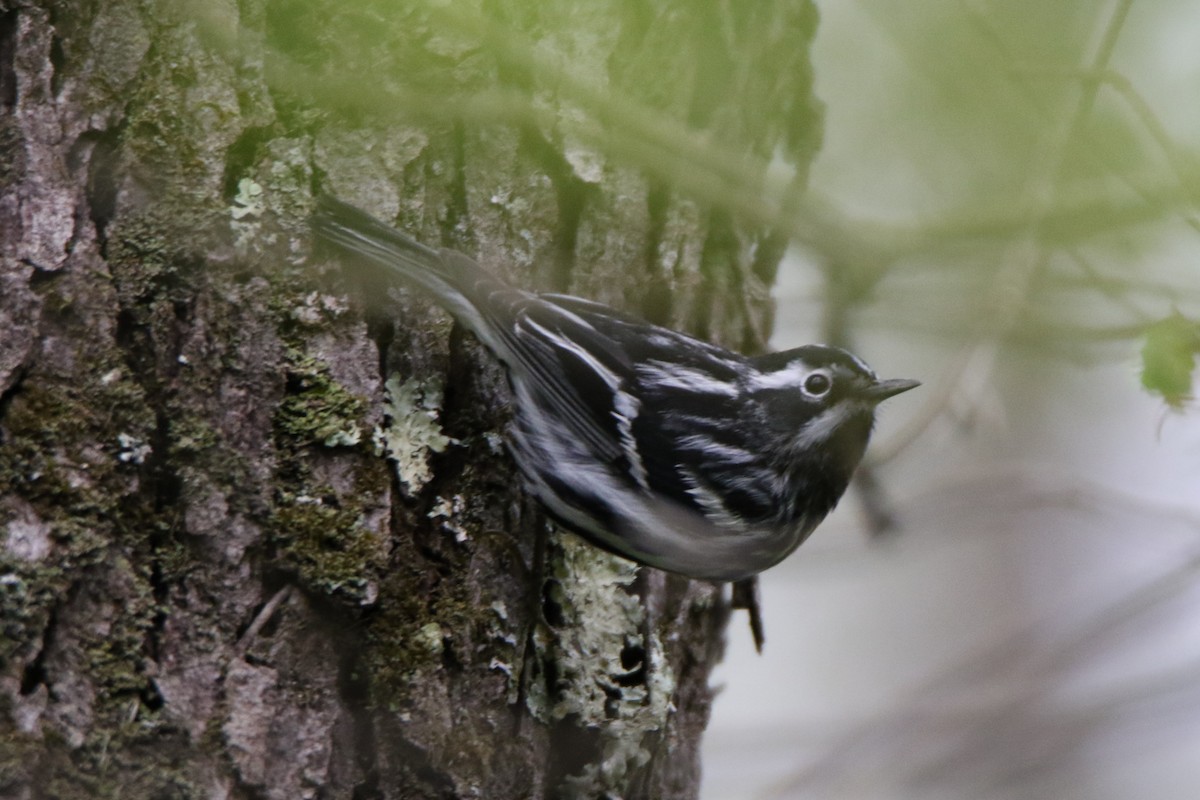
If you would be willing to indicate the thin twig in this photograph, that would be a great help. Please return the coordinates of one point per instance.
(263, 617)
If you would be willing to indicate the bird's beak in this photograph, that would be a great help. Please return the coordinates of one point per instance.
(882, 390)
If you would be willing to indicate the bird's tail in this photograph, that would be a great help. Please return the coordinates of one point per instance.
(459, 284)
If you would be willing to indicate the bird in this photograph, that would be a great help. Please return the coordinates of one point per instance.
(650, 443)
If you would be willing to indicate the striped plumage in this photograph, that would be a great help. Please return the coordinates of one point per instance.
(653, 444)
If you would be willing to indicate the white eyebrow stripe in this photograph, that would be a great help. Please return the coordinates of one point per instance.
(791, 376)
(862, 365)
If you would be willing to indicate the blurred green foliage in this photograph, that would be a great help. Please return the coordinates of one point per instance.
(993, 173)
(1169, 358)
(1014, 174)
(704, 97)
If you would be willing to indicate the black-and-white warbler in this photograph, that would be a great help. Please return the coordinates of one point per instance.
(650, 443)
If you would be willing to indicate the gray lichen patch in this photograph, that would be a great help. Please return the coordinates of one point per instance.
(246, 212)
(411, 431)
(606, 676)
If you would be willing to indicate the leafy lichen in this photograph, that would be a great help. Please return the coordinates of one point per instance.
(246, 212)
(411, 431)
(248, 202)
(597, 682)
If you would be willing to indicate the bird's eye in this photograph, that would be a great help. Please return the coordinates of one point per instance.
(817, 384)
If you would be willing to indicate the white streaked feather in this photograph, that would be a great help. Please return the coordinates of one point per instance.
(625, 410)
(609, 377)
(824, 425)
(650, 529)
(664, 375)
(709, 501)
(708, 446)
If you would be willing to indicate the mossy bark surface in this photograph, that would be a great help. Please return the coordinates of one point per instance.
(259, 536)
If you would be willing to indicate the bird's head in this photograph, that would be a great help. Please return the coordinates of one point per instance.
(821, 401)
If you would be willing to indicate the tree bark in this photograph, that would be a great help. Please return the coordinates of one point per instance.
(260, 535)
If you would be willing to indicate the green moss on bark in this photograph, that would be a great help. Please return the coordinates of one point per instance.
(317, 409)
(329, 549)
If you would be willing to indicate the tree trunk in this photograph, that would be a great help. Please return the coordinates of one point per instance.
(260, 537)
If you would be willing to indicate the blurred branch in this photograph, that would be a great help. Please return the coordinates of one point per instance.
(1121, 289)
(1026, 257)
(952, 723)
(1077, 215)
(1049, 214)
(1108, 288)
(959, 393)
(1144, 113)
(704, 168)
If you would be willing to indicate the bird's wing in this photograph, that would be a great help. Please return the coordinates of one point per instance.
(574, 373)
(696, 439)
